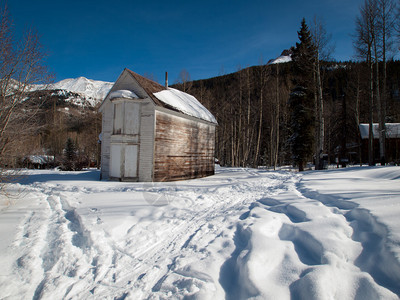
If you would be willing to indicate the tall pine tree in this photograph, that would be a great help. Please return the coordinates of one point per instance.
(303, 58)
(301, 100)
(69, 161)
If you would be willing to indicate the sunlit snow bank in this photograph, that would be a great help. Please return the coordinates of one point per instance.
(238, 234)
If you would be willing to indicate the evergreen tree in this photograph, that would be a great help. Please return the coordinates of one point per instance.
(70, 158)
(70, 150)
(301, 124)
(301, 101)
(303, 58)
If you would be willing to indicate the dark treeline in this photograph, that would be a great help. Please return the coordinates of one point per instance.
(252, 110)
(309, 110)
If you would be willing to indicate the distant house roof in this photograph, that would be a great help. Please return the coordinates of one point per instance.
(171, 98)
(39, 159)
(392, 130)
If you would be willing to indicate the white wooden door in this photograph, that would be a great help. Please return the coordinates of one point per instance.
(115, 160)
(131, 159)
(125, 149)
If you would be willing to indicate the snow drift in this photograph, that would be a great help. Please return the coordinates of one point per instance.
(238, 234)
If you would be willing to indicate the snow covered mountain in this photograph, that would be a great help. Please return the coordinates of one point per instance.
(82, 91)
(79, 90)
(90, 88)
(285, 57)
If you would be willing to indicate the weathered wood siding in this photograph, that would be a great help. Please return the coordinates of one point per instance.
(184, 148)
(152, 143)
(107, 128)
(146, 142)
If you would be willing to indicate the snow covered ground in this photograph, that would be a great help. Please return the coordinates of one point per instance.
(239, 234)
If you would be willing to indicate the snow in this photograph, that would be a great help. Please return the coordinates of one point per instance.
(40, 159)
(185, 103)
(91, 88)
(241, 233)
(94, 91)
(123, 94)
(281, 59)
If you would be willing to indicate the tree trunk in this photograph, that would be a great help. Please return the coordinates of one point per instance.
(371, 111)
(381, 127)
(320, 147)
(255, 164)
(277, 118)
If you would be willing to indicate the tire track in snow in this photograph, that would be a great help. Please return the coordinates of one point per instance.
(28, 245)
(99, 266)
(193, 223)
(64, 250)
(300, 227)
(244, 194)
(234, 272)
(373, 237)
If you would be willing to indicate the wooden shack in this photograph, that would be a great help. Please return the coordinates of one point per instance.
(392, 142)
(152, 132)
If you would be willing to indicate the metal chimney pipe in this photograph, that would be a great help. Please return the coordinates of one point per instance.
(166, 80)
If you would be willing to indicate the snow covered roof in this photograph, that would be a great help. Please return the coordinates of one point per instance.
(39, 159)
(392, 130)
(123, 94)
(185, 103)
(164, 97)
(173, 99)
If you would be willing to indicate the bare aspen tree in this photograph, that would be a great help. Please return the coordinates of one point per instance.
(277, 117)
(239, 136)
(385, 26)
(365, 35)
(373, 42)
(184, 79)
(274, 114)
(323, 50)
(381, 130)
(263, 77)
(21, 66)
(248, 130)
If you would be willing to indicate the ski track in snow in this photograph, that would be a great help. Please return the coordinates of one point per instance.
(242, 233)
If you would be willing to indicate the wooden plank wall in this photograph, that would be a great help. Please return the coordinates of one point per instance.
(107, 127)
(146, 142)
(184, 148)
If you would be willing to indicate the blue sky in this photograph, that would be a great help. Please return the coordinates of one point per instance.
(98, 39)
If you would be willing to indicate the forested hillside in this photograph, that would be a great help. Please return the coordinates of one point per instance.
(251, 107)
(47, 119)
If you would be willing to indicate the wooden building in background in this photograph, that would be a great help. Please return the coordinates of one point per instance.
(152, 132)
(392, 142)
